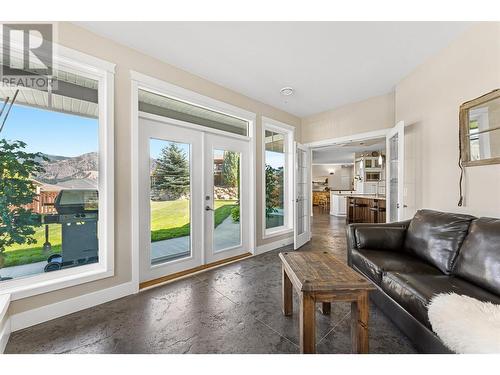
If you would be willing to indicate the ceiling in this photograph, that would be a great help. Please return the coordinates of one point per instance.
(344, 153)
(329, 64)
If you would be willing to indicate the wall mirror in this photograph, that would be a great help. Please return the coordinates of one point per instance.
(480, 130)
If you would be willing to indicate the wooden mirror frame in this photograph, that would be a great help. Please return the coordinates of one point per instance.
(464, 130)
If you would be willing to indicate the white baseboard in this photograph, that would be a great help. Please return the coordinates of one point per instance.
(45, 313)
(273, 245)
(4, 334)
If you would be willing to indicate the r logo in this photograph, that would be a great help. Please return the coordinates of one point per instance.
(27, 49)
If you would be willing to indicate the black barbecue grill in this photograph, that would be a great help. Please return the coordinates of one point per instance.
(77, 212)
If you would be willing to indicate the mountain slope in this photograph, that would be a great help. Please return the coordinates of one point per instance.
(60, 169)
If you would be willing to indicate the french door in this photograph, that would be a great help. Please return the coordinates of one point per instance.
(395, 142)
(302, 195)
(194, 198)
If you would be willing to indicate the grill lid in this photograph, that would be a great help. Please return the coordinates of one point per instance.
(73, 201)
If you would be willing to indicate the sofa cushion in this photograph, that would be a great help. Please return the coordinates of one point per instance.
(437, 236)
(380, 238)
(479, 258)
(414, 291)
(373, 263)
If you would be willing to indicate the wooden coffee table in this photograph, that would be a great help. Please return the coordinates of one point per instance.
(320, 277)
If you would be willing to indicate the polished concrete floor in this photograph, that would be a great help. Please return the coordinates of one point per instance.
(231, 309)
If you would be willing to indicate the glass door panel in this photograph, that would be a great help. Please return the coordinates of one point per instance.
(226, 193)
(302, 197)
(395, 141)
(301, 189)
(393, 182)
(170, 200)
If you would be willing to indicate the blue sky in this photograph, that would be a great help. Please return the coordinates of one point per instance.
(51, 132)
(156, 145)
(275, 159)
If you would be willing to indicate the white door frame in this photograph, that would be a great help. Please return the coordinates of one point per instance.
(380, 133)
(142, 81)
(371, 135)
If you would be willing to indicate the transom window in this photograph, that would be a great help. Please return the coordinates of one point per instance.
(165, 106)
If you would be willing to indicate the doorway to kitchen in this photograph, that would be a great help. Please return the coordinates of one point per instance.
(366, 177)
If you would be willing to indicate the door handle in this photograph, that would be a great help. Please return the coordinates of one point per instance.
(207, 208)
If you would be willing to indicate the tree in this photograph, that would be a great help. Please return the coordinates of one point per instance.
(16, 191)
(171, 175)
(231, 169)
(274, 185)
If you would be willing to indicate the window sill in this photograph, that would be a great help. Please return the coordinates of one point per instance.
(275, 232)
(48, 282)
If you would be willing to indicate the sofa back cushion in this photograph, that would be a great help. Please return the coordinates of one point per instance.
(437, 236)
(479, 258)
(380, 238)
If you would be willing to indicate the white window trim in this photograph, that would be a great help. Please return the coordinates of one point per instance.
(155, 85)
(102, 71)
(289, 131)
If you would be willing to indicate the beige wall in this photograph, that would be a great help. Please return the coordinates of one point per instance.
(371, 114)
(428, 100)
(127, 59)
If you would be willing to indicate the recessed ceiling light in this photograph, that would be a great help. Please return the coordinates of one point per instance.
(287, 91)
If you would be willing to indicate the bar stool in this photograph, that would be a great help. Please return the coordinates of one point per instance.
(358, 218)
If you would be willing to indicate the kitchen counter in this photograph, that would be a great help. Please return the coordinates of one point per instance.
(367, 196)
(365, 208)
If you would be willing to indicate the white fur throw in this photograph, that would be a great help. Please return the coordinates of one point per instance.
(464, 324)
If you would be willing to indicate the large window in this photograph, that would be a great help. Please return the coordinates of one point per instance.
(277, 182)
(56, 180)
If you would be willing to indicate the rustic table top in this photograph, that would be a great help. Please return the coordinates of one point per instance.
(321, 271)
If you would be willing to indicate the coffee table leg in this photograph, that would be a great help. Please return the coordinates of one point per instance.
(287, 298)
(359, 323)
(326, 308)
(307, 324)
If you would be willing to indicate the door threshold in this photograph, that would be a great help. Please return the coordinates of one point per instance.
(205, 267)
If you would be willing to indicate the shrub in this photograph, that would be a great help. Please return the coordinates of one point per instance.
(235, 214)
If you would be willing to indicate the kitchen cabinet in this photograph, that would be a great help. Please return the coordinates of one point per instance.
(365, 209)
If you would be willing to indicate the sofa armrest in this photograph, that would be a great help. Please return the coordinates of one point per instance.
(386, 236)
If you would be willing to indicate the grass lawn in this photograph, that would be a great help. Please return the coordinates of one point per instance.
(168, 220)
(165, 225)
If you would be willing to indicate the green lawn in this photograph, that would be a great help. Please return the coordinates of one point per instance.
(166, 225)
(169, 220)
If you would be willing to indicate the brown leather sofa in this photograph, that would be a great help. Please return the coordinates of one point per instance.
(435, 252)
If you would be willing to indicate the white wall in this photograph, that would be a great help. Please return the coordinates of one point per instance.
(370, 114)
(428, 101)
(341, 178)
